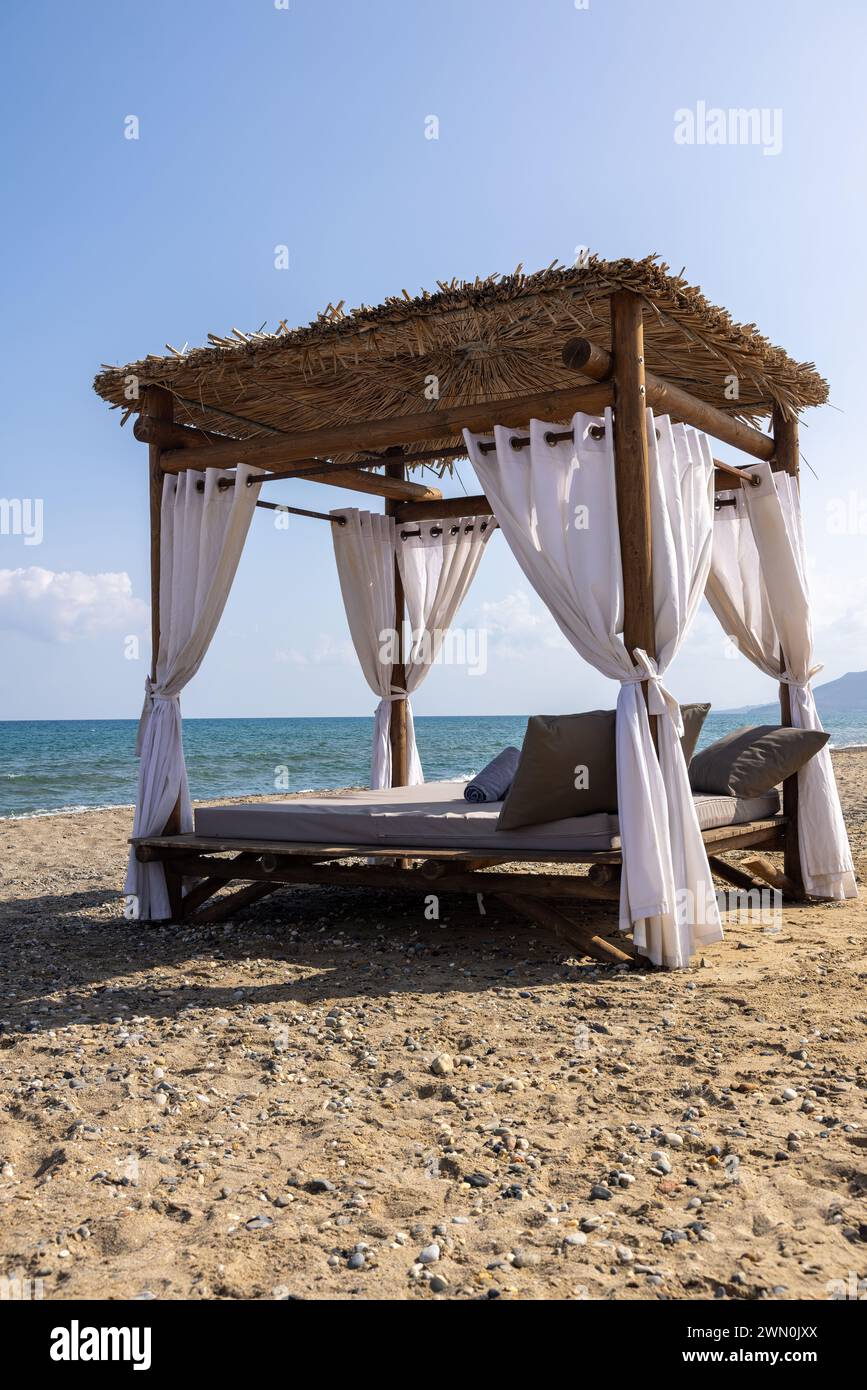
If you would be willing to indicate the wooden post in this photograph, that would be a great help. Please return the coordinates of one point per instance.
(787, 455)
(397, 725)
(632, 475)
(158, 405)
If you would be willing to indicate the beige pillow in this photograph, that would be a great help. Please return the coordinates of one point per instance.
(568, 766)
(752, 760)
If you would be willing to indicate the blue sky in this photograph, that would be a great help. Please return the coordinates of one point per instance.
(305, 126)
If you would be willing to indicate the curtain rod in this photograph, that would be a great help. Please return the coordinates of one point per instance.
(552, 437)
(453, 530)
(224, 483)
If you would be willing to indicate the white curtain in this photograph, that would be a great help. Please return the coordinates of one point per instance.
(365, 551)
(437, 567)
(758, 589)
(202, 534)
(438, 562)
(556, 505)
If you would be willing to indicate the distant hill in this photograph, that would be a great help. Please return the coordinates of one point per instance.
(848, 693)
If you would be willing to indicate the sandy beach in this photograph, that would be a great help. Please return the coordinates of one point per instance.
(333, 1097)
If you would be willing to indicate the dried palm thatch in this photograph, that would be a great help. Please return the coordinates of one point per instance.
(479, 341)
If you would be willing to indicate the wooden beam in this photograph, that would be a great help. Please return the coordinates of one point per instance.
(632, 475)
(668, 399)
(397, 429)
(788, 455)
(159, 406)
(188, 864)
(397, 715)
(478, 505)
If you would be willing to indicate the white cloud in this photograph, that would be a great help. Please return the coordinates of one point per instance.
(63, 606)
(517, 625)
(324, 652)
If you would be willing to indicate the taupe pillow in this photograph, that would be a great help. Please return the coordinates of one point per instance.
(693, 717)
(752, 760)
(544, 785)
(562, 749)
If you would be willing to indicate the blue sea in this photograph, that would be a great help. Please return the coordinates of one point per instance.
(76, 764)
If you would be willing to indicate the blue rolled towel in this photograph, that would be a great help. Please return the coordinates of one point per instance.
(495, 779)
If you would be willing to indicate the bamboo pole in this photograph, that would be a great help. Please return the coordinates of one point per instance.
(632, 475)
(787, 452)
(595, 362)
(397, 721)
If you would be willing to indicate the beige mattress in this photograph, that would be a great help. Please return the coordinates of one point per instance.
(436, 816)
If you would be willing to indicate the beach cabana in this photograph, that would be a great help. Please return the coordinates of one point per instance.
(590, 392)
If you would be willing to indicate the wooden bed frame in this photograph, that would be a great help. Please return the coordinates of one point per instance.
(616, 378)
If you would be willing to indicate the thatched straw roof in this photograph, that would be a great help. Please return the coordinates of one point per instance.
(486, 339)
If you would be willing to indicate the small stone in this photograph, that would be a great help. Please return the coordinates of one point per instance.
(437, 1284)
(430, 1254)
(442, 1065)
(320, 1185)
(259, 1223)
(599, 1193)
(525, 1259)
(790, 1093)
(477, 1180)
(356, 1260)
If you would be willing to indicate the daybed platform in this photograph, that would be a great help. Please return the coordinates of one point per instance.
(436, 816)
(430, 839)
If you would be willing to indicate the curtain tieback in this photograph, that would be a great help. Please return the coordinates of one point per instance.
(787, 679)
(151, 693)
(395, 695)
(660, 700)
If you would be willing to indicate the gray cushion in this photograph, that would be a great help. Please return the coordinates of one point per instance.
(751, 760)
(555, 747)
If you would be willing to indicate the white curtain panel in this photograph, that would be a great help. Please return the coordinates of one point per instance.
(758, 589)
(202, 534)
(364, 548)
(557, 507)
(438, 562)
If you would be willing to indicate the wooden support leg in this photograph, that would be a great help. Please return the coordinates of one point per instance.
(158, 405)
(226, 907)
(570, 933)
(632, 474)
(397, 725)
(787, 454)
(731, 874)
